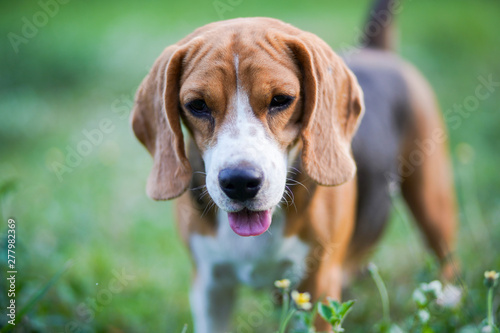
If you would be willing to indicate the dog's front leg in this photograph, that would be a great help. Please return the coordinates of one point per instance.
(212, 300)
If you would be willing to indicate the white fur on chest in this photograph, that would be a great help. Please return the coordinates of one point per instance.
(254, 261)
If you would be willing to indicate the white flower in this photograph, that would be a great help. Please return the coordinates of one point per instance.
(424, 316)
(282, 284)
(491, 279)
(303, 300)
(491, 275)
(419, 297)
(450, 297)
(435, 288)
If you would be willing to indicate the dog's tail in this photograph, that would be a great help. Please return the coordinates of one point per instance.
(379, 30)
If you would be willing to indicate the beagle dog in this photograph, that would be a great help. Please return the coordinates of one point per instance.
(282, 176)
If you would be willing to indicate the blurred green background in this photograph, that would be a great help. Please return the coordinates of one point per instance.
(81, 66)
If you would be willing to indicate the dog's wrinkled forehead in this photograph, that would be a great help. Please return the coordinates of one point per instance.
(224, 63)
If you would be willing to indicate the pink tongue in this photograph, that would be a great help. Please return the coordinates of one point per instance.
(248, 223)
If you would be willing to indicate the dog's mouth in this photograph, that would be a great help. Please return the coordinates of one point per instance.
(250, 223)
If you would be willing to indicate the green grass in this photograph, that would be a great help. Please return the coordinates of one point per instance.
(87, 62)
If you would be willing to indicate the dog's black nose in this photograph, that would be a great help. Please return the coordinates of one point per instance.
(241, 183)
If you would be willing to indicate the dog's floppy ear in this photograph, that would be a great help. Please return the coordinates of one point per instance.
(332, 109)
(156, 123)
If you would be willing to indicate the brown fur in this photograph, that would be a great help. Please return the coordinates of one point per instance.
(429, 190)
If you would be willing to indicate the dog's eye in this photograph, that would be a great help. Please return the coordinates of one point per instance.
(198, 107)
(280, 102)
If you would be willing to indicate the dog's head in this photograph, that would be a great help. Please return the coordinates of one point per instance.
(248, 90)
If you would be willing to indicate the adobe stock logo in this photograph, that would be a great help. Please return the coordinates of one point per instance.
(456, 115)
(222, 7)
(93, 138)
(31, 27)
(74, 157)
(87, 311)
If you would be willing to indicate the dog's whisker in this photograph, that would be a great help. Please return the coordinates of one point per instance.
(204, 210)
(285, 200)
(287, 193)
(211, 206)
(207, 208)
(290, 193)
(296, 182)
(200, 172)
(204, 193)
(198, 188)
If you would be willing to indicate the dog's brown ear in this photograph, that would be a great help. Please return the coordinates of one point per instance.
(332, 109)
(156, 123)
